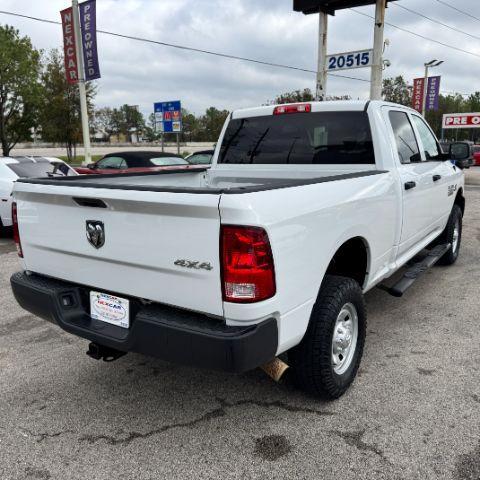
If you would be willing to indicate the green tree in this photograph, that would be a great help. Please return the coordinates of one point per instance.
(191, 126)
(397, 90)
(295, 96)
(20, 90)
(127, 120)
(60, 114)
(103, 122)
(474, 102)
(211, 124)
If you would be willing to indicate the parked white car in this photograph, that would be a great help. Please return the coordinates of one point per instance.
(13, 168)
(306, 207)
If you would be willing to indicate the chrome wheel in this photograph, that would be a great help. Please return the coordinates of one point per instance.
(456, 236)
(344, 341)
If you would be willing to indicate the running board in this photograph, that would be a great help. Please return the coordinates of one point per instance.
(416, 271)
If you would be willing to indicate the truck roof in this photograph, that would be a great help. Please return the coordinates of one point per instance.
(330, 106)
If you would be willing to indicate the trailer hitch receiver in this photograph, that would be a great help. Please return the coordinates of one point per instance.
(100, 352)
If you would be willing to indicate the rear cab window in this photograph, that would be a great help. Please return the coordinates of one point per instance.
(311, 138)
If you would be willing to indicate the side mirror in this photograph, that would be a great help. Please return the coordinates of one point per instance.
(461, 154)
(92, 166)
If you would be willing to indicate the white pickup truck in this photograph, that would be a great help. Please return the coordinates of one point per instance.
(305, 208)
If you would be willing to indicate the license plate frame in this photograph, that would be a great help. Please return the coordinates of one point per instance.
(111, 309)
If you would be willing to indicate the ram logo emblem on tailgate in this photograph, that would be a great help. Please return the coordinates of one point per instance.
(96, 233)
(193, 264)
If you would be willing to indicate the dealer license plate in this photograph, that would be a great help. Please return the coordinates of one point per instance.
(110, 309)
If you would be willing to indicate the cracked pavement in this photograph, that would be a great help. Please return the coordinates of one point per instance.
(413, 412)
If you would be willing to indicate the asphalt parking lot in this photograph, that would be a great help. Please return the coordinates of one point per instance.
(413, 412)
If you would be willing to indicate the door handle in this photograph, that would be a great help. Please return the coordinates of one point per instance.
(436, 178)
(410, 185)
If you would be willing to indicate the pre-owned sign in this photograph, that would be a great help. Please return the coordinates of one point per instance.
(69, 46)
(461, 120)
(88, 23)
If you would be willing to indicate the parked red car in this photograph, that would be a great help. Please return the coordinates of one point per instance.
(135, 162)
(476, 155)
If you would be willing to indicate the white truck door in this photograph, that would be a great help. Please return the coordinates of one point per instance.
(442, 173)
(420, 214)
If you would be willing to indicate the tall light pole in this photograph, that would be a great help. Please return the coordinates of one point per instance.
(321, 89)
(81, 84)
(377, 67)
(428, 66)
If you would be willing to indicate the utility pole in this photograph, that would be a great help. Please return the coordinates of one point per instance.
(321, 89)
(377, 67)
(81, 84)
(431, 64)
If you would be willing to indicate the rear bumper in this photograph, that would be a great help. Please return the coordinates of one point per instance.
(157, 330)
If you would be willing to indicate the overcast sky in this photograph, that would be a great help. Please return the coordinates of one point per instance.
(140, 73)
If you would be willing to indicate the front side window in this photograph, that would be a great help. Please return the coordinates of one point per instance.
(200, 159)
(405, 140)
(313, 138)
(432, 149)
(112, 162)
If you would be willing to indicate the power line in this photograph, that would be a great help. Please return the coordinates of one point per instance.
(192, 49)
(455, 29)
(458, 10)
(421, 36)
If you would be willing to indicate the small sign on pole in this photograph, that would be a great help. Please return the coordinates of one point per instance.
(88, 23)
(349, 60)
(69, 46)
(433, 93)
(418, 91)
(168, 116)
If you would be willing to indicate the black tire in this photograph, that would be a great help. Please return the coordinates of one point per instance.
(456, 218)
(311, 360)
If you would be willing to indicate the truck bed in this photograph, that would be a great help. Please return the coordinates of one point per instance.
(233, 181)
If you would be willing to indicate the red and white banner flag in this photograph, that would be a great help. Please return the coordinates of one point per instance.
(418, 94)
(69, 46)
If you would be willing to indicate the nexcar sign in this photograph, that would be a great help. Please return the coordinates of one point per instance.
(70, 49)
(461, 120)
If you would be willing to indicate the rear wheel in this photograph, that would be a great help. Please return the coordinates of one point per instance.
(325, 363)
(452, 235)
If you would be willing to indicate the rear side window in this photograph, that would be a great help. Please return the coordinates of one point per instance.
(166, 161)
(300, 138)
(407, 146)
(39, 169)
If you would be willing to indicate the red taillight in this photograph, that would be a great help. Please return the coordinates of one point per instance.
(248, 274)
(16, 233)
(294, 108)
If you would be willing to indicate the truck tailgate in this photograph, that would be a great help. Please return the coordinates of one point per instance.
(145, 234)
